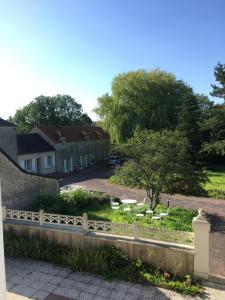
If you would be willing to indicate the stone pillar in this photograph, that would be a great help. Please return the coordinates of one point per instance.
(135, 231)
(41, 216)
(2, 258)
(3, 213)
(201, 228)
(85, 223)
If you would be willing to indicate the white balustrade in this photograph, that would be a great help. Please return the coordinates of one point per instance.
(134, 230)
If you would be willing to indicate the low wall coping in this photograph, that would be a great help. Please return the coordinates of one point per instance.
(97, 235)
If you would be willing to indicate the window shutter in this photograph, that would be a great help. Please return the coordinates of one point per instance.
(45, 162)
(33, 164)
(22, 164)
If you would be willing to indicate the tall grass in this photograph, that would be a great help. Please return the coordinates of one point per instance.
(109, 262)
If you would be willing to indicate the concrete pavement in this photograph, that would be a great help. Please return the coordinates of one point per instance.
(37, 280)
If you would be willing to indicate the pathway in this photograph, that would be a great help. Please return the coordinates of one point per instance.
(36, 280)
(97, 180)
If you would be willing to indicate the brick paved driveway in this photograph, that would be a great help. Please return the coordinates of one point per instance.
(97, 180)
(29, 279)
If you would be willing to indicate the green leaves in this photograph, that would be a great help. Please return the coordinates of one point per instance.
(159, 161)
(141, 99)
(46, 110)
(219, 72)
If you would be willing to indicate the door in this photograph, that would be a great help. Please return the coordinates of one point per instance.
(38, 164)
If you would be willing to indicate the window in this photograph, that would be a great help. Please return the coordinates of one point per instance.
(28, 165)
(49, 161)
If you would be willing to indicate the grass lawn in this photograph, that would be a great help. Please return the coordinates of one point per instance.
(216, 184)
(78, 202)
(178, 219)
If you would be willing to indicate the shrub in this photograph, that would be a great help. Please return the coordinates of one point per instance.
(109, 262)
(70, 202)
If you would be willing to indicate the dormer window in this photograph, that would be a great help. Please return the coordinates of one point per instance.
(85, 134)
(98, 133)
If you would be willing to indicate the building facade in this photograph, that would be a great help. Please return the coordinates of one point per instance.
(75, 147)
(35, 155)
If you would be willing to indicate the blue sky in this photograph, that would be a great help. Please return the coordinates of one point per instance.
(76, 47)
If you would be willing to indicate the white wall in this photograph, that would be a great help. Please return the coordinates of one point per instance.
(33, 156)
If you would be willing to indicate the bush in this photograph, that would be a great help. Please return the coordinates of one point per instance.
(109, 262)
(70, 202)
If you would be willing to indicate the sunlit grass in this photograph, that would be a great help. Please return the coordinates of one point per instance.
(216, 180)
(178, 218)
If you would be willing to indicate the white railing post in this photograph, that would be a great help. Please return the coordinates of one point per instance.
(85, 223)
(41, 216)
(135, 231)
(3, 213)
(201, 228)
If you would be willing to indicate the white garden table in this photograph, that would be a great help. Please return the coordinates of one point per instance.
(129, 201)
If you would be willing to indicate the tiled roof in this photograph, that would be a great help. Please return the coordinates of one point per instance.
(6, 123)
(32, 143)
(73, 133)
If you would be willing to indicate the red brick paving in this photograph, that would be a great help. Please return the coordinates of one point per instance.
(97, 180)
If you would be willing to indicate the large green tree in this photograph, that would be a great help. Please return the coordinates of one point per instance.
(189, 124)
(141, 100)
(219, 73)
(46, 110)
(213, 132)
(160, 159)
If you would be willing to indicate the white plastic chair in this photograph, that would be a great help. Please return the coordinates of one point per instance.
(140, 215)
(149, 211)
(115, 207)
(165, 214)
(156, 218)
(127, 209)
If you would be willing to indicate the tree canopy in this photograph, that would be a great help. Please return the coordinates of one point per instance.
(142, 100)
(46, 110)
(219, 73)
(160, 159)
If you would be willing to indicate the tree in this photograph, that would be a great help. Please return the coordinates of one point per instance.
(188, 124)
(46, 110)
(141, 100)
(219, 72)
(159, 159)
(213, 132)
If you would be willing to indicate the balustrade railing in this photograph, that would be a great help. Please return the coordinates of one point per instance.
(134, 230)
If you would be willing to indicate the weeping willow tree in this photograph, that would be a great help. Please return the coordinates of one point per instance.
(141, 100)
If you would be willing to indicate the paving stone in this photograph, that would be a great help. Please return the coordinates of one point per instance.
(67, 283)
(98, 281)
(55, 279)
(104, 292)
(28, 292)
(92, 289)
(117, 295)
(86, 296)
(109, 284)
(60, 291)
(80, 285)
(48, 287)
(74, 276)
(40, 295)
(73, 293)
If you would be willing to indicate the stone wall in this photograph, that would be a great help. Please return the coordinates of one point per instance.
(168, 256)
(217, 253)
(19, 188)
(8, 141)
